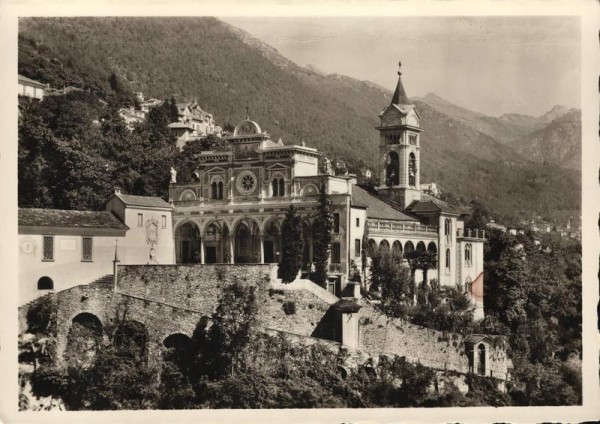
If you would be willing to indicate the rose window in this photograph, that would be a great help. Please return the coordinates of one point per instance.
(246, 183)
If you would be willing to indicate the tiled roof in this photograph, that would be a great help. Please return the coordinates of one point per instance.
(431, 204)
(69, 219)
(31, 81)
(376, 207)
(145, 201)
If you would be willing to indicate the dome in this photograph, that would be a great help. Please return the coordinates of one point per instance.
(246, 127)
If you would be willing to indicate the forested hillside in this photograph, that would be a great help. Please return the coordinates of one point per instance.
(226, 70)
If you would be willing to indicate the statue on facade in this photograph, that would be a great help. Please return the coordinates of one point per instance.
(326, 168)
(173, 176)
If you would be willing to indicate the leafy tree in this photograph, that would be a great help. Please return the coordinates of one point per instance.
(393, 279)
(322, 237)
(292, 245)
(233, 323)
(174, 391)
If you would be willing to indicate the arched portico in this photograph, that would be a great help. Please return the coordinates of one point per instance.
(216, 243)
(247, 243)
(187, 243)
(272, 242)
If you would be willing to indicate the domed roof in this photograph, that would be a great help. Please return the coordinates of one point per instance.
(246, 127)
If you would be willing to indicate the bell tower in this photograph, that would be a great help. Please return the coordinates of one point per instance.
(399, 148)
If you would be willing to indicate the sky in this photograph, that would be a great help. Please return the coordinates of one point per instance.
(492, 65)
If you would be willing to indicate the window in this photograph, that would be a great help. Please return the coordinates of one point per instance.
(448, 230)
(447, 260)
(140, 219)
(358, 222)
(216, 190)
(412, 139)
(336, 223)
(468, 260)
(164, 221)
(48, 248)
(87, 249)
(357, 247)
(412, 170)
(45, 283)
(278, 186)
(335, 253)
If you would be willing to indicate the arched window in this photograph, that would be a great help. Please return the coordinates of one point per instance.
(278, 186)
(412, 170)
(216, 190)
(392, 176)
(397, 248)
(384, 246)
(448, 230)
(409, 247)
(468, 253)
(45, 283)
(447, 259)
(481, 365)
(421, 247)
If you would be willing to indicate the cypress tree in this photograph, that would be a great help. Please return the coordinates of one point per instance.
(322, 237)
(292, 241)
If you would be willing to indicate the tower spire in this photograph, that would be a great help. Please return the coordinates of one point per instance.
(400, 97)
(247, 113)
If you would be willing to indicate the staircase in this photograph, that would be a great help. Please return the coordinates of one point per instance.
(105, 281)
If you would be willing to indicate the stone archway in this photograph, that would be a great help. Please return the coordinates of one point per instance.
(216, 243)
(187, 243)
(179, 350)
(84, 339)
(246, 246)
(272, 242)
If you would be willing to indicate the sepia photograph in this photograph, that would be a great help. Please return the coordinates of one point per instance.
(246, 211)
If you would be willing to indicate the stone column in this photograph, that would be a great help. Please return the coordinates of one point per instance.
(201, 250)
(231, 250)
(261, 238)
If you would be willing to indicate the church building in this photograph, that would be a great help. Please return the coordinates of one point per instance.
(233, 212)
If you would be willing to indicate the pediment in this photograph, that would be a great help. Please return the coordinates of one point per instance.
(216, 169)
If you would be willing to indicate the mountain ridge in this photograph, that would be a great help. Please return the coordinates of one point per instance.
(228, 69)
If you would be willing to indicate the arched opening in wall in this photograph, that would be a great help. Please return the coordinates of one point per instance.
(216, 243)
(179, 350)
(397, 248)
(84, 339)
(384, 246)
(371, 248)
(216, 189)
(45, 283)
(247, 242)
(187, 243)
(272, 242)
(278, 186)
(131, 338)
(421, 247)
(448, 230)
(432, 248)
(468, 255)
(447, 260)
(409, 248)
(412, 170)
(392, 169)
(481, 365)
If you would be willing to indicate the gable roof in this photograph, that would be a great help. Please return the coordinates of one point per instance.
(144, 201)
(377, 208)
(69, 219)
